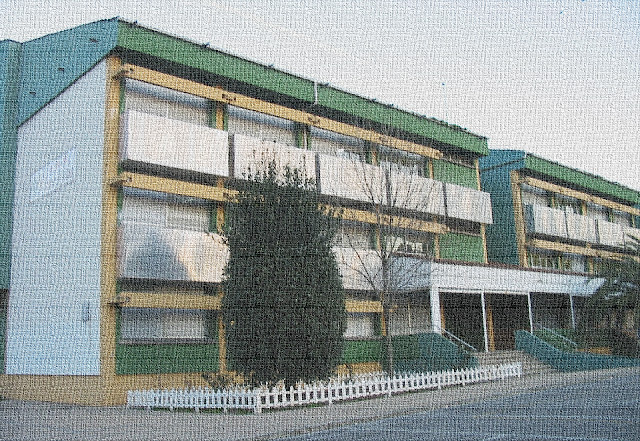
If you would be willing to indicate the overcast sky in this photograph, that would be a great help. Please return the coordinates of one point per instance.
(560, 79)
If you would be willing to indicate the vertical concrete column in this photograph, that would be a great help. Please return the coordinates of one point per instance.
(573, 312)
(530, 312)
(436, 318)
(485, 325)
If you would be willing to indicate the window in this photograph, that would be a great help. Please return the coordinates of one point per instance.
(360, 326)
(157, 100)
(599, 212)
(399, 161)
(543, 259)
(325, 141)
(353, 235)
(534, 196)
(158, 325)
(165, 210)
(621, 218)
(573, 263)
(261, 126)
(408, 243)
(568, 204)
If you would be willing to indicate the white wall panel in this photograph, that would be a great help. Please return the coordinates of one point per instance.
(252, 155)
(581, 227)
(54, 306)
(351, 179)
(413, 192)
(545, 220)
(173, 143)
(468, 204)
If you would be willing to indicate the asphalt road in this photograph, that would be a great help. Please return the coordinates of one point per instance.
(603, 410)
(594, 405)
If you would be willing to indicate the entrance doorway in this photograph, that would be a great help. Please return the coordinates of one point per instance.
(461, 315)
(506, 314)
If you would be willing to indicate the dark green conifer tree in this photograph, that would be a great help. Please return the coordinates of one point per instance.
(283, 307)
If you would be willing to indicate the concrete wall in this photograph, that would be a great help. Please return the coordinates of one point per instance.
(53, 311)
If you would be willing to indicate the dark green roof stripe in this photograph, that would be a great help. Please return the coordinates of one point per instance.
(581, 179)
(166, 47)
(409, 122)
(197, 56)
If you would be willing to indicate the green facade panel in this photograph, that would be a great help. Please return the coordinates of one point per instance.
(361, 351)
(446, 171)
(166, 358)
(461, 247)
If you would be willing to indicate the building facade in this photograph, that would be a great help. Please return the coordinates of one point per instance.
(549, 217)
(121, 149)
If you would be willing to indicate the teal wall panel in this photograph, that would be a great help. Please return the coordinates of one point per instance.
(52, 63)
(501, 235)
(9, 77)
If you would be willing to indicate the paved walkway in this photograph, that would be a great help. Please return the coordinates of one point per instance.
(22, 420)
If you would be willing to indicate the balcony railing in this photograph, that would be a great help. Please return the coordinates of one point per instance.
(150, 252)
(468, 204)
(153, 139)
(610, 234)
(545, 220)
(581, 228)
(251, 154)
(566, 224)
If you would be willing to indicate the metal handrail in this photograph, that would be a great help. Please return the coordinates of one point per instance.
(457, 339)
(556, 334)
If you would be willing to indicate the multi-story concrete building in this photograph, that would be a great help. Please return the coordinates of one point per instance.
(121, 147)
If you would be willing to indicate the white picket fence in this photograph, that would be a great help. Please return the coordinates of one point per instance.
(359, 387)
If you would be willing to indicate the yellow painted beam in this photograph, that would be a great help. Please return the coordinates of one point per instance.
(363, 306)
(245, 102)
(169, 300)
(108, 257)
(575, 249)
(580, 195)
(174, 186)
(369, 217)
(518, 213)
(483, 233)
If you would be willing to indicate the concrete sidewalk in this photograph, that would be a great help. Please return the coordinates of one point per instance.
(21, 420)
